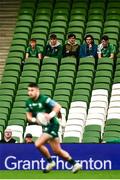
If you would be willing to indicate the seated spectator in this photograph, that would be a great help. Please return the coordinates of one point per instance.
(71, 48)
(89, 48)
(33, 50)
(105, 49)
(53, 48)
(28, 138)
(8, 137)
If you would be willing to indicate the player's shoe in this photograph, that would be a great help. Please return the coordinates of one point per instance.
(76, 167)
(49, 167)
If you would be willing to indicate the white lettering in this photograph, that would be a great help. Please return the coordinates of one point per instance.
(84, 163)
(12, 163)
(26, 164)
(59, 163)
(98, 165)
(107, 163)
(68, 166)
(91, 163)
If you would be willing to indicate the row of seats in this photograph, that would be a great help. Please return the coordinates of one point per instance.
(77, 87)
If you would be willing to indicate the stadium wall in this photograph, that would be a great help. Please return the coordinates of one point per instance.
(92, 157)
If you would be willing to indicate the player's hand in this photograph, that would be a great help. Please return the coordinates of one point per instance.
(47, 116)
(90, 45)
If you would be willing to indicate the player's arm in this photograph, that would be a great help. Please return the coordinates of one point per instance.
(27, 55)
(40, 56)
(55, 110)
(56, 107)
(29, 115)
(99, 53)
(112, 55)
(30, 118)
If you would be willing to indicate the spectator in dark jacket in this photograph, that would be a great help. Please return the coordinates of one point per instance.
(8, 137)
(28, 138)
(53, 48)
(71, 48)
(89, 48)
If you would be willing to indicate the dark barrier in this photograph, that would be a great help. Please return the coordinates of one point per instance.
(92, 157)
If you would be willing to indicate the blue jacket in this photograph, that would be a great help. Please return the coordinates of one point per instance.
(84, 51)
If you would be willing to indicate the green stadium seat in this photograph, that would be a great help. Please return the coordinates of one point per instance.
(66, 73)
(50, 60)
(71, 140)
(41, 24)
(23, 23)
(60, 11)
(79, 4)
(91, 140)
(78, 17)
(2, 123)
(16, 55)
(18, 110)
(47, 79)
(78, 10)
(111, 23)
(21, 36)
(25, 17)
(19, 49)
(43, 11)
(44, 17)
(47, 5)
(29, 73)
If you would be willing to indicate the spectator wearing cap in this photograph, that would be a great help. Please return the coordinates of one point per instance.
(8, 137)
(71, 48)
(53, 48)
(28, 138)
(89, 48)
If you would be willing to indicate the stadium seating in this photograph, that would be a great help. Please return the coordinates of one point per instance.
(88, 91)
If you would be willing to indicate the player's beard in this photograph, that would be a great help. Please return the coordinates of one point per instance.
(36, 96)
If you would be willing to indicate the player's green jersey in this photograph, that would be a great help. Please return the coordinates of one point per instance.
(44, 104)
(39, 105)
(33, 52)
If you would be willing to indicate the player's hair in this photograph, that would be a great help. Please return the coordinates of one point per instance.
(105, 37)
(33, 40)
(53, 36)
(89, 36)
(33, 85)
(71, 35)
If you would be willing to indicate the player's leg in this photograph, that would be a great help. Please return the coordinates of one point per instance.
(40, 144)
(42, 148)
(56, 147)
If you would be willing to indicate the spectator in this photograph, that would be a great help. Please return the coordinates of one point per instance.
(89, 48)
(71, 48)
(105, 49)
(33, 50)
(28, 138)
(53, 48)
(8, 137)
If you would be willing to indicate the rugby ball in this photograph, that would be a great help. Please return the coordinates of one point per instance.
(41, 119)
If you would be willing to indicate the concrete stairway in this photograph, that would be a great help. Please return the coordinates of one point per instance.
(8, 15)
